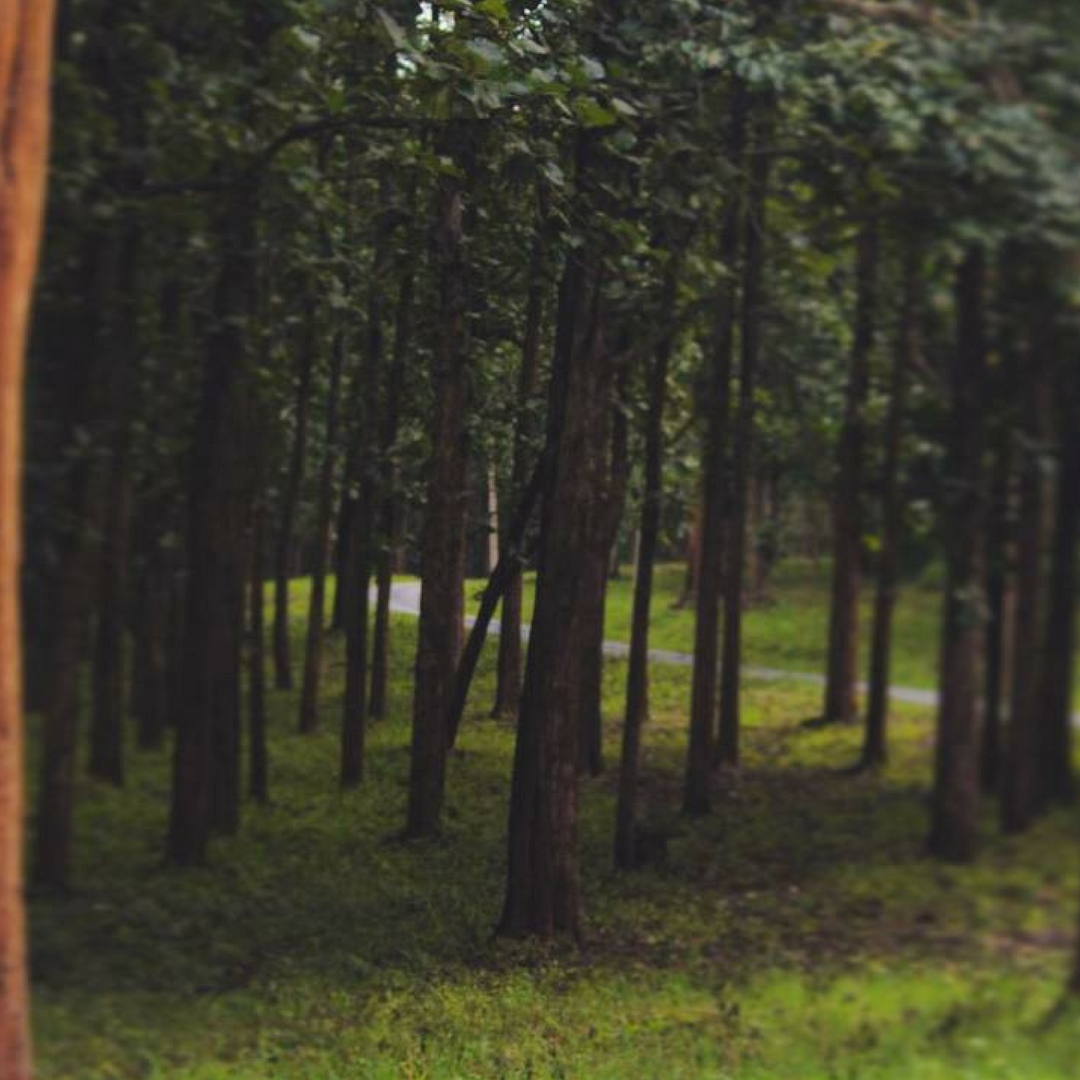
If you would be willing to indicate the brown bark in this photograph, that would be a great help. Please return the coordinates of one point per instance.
(258, 766)
(1001, 617)
(637, 676)
(727, 748)
(26, 29)
(290, 498)
(206, 763)
(875, 744)
(1057, 783)
(1020, 761)
(696, 798)
(543, 893)
(842, 663)
(313, 653)
(954, 831)
(442, 548)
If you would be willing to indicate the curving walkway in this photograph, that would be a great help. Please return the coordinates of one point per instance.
(405, 600)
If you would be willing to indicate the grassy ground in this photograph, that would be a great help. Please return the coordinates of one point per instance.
(798, 933)
(790, 629)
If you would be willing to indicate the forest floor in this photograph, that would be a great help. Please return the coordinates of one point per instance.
(797, 933)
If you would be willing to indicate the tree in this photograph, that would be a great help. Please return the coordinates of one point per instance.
(26, 31)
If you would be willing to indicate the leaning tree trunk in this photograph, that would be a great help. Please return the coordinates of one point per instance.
(26, 30)
(206, 763)
(714, 495)
(875, 745)
(290, 498)
(841, 671)
(954, 831)
(508, 673)
(637, 676)
(439, 636)
(727, 747)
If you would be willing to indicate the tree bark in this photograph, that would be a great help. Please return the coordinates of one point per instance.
(258, 765)
(875, 744)
(290, 499)
(637, 676)
(727, 748)
(442, 563)
(841, 673)
(1057, 783)
(954, 831)
(1001, 615)
(508, 674)
(313, 653)
(26, 35)
(206, 763)
(1019, 776)
(543, 893)
(391, 517)
(696, 797)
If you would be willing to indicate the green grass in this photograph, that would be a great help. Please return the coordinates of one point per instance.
(789, 630)
(798, 932)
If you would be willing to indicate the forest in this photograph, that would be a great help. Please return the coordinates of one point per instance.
(539, 539)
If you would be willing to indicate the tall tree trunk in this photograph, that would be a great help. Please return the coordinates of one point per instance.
(842, 664)
(26, 30)
(290, 498)
(1022, 751)
(439, 637)
(543, 894)
(107, 715)
(727, 748)
(258, 768)
(1056, 742)
(875, 745)
(391, 518)
(206, 764)
(696, 798)
(637, 676)
(954, 831)
(508, 675)
(313, 654)
(149, 675)
(1001, 614)
(611, 457)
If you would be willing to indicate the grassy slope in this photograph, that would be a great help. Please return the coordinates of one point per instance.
(796, 933)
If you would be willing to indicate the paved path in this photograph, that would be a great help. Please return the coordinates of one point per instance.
(405, 600)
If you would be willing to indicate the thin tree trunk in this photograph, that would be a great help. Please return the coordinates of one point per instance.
(313, 654)
(637, 676)
(954, 831)
(508, 673)
(696, 797)
(875, 745)
(727, 749)
(290, 499)
(150, 688)
(1022, 751)
(1057, 783)
(1000, 613)
(391, 524)
(26, 31)
(841, 674)
(258, 769)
